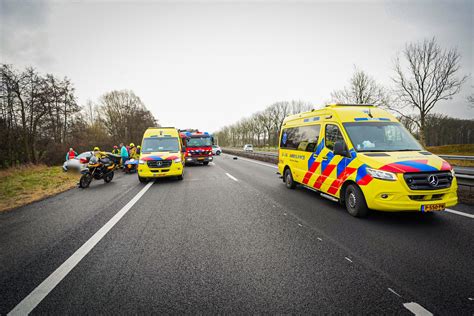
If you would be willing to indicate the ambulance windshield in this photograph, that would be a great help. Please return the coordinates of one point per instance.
(380, 137)
(162, 144)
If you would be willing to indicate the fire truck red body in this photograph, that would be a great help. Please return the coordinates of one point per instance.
(198, 147)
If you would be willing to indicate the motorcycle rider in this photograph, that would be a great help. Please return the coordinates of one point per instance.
(99, 154)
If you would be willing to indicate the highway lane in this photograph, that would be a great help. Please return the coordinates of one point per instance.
(232, 238)
(428, 256)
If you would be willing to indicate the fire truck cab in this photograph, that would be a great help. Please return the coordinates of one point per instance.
(198, 147)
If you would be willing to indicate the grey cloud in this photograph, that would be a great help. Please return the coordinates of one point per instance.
(23, 34)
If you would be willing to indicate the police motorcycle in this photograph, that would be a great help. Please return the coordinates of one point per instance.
(97, 168)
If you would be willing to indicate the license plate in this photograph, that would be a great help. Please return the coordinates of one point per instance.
(433, 207)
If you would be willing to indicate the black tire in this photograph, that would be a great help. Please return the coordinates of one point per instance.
(180, 177)
(108, 177)
(85, 181)
(205, 163)
(290, 183)
(142, 180)
(355, 201)
(218, 153)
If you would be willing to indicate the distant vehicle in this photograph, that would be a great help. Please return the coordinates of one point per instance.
(78, 162)
(216, 150)
(363, 157)
(161, 154)
(248, 147)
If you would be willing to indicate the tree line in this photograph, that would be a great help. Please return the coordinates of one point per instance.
(40, 118)
(424, 75)
(261, 128)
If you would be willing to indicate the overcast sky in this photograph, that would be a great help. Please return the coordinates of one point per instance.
(205, 64)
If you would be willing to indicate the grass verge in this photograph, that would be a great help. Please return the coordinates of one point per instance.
(459, 150)
(26, 184)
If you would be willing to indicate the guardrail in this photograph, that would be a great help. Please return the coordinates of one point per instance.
(465, 175)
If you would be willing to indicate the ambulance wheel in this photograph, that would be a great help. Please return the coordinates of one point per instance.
(290, 183)
(355, 201)
(142, 180)
(205, 163)
(180, 177)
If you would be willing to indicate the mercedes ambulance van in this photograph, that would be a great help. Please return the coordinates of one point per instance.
(361, 156)
(161, 154)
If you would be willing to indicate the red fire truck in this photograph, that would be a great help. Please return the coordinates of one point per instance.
(198, 147)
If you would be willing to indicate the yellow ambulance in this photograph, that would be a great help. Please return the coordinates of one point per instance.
(161, 154)
(361, 156)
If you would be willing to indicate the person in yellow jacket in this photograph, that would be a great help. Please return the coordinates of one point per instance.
(99, 154)
(133, 151)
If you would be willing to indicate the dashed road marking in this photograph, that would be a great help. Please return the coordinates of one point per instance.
(348, 259)
(320, 239)
(41, 291)
(285, 214)
(459, 213)
(232, 177)
(417, 309)
(300, 225)
(470, 298)
(394, 292)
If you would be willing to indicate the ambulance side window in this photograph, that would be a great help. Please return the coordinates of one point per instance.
(333, 134)
(304, 138)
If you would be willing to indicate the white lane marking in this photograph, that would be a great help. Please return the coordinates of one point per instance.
(231, 176)
(41, 291)
(348, 259)
(470, 298)
(417, 309)
(394, 292)
(259, 163)
(459, 213)
(285, 214)
(300, 225)
(320, 239)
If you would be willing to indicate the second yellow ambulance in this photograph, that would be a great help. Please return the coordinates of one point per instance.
(361, 156)
(161, 154)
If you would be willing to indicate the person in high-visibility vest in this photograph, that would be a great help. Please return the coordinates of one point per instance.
(116, 151)
(71, 154)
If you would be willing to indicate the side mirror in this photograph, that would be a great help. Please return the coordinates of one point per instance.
(340, 149)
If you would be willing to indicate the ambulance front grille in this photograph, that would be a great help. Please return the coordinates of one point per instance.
(159, 163)
(428, 180)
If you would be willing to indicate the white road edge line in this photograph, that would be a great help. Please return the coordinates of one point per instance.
(27, 305)
(348, 259)
(417, 309)
(232, 177)
(257, 162)
(459, 213)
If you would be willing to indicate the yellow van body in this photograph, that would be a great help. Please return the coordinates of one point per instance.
(390, 180)
(161, 154)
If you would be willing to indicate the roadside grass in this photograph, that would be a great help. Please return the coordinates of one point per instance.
(26, 184)
(460, 150)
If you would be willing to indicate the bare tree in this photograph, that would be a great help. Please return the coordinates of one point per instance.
(362, 89)
(429, 75)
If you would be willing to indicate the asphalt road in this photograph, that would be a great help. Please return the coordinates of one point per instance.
(229, 238)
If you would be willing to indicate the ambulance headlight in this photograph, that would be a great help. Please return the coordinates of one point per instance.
(177, 160)
(141, 162)
(382, 175)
